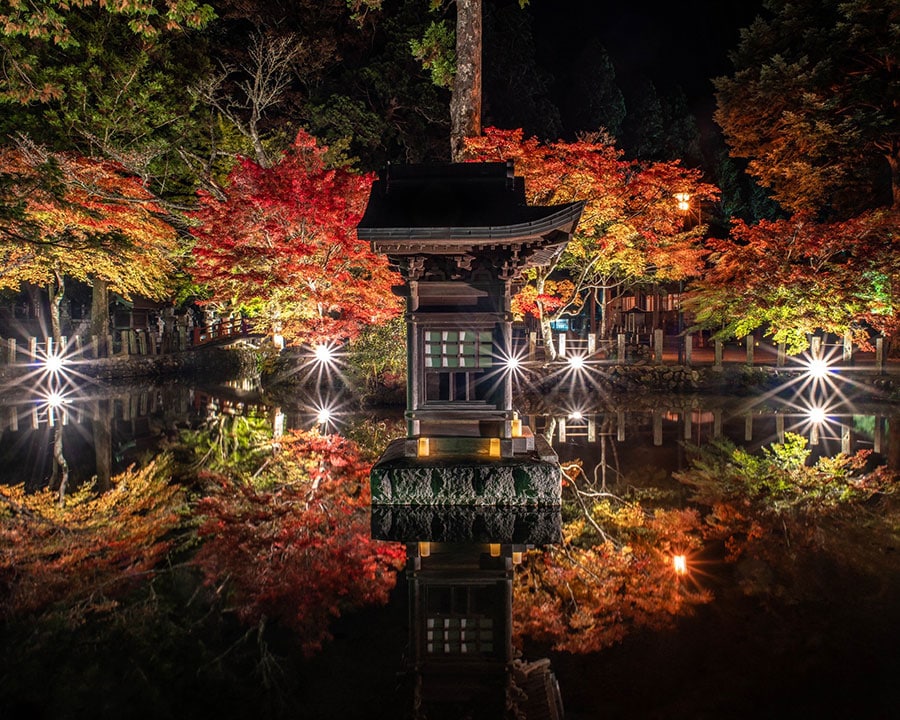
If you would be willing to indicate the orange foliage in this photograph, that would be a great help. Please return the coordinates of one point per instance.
(631, 224)
(82, 218)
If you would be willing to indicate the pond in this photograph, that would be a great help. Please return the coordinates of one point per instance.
(790, 612)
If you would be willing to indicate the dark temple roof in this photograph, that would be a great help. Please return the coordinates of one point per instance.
(464, 201)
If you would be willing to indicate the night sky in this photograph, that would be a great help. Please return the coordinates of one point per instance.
(675, 43)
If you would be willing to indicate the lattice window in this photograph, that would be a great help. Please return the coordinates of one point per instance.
(458, 349)
(459, 635)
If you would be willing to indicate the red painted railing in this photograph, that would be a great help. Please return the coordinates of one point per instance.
(220, 331)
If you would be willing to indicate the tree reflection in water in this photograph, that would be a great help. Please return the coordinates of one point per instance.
(232, 552)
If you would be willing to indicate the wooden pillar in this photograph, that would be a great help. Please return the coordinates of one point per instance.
(415, 384)
(13, 351)
(879, 354)
(717, 344)
(124, 336)
(878, 434)
(658, 345)
(688, 348)
(749, 342)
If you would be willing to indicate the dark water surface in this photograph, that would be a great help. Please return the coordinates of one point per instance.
(824, 645)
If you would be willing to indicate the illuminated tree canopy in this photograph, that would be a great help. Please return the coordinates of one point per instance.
(631, 229)
(66, 216)
(797, 277)
(282, 247)
(813, 104)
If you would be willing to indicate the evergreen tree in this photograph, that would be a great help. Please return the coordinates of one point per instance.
(516, 90)
(643, 130)
(595, 100)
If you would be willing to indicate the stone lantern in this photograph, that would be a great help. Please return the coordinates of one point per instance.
(460, 237)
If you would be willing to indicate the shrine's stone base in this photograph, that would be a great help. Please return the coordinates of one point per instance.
(531, 479)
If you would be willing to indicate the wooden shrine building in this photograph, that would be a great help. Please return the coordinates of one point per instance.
(460, 236)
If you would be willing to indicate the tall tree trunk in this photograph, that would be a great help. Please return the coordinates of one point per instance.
(100, 315)
(56, 291)
(604, 324)
(36, 301)
(465, 100)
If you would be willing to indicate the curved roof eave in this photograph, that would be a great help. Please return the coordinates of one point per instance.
(564, 215)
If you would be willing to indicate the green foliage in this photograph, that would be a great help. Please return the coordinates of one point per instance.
(107, 94)
(50, 20)
(378, 356)
(773, 509)
(436, 51)
(232, 443)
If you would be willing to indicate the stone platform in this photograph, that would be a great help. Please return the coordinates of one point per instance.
(528, 479)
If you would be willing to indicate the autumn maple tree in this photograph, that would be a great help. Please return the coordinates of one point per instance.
(798, 276)
(631, 229)
(67, 216)
(282, 247)
(777, 505)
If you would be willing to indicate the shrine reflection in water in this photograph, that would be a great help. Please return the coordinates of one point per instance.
(460, 571)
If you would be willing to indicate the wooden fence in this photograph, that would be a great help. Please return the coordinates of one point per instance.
(137, 342)
(693, 349)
